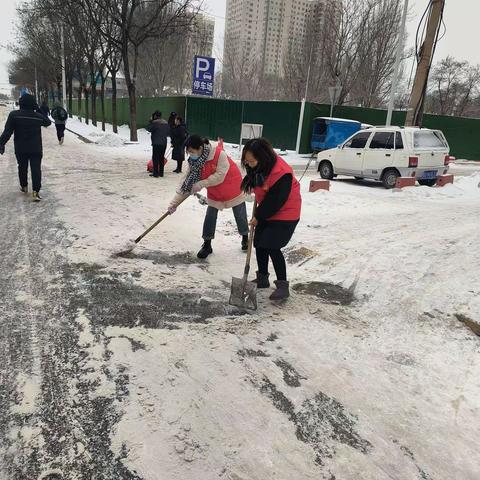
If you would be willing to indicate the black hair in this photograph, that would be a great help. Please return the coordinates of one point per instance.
(180, 119)
(196, 141)
(157, 114)
(266, 157)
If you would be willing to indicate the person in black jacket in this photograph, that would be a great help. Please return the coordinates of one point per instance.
(60, 116)
(178, 135)
(171, 119)
(277, 193)
(160, 131)
(44, 110)
(26, 126)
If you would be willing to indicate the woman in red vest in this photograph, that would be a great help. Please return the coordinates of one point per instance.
(277, 193)
(211, 168)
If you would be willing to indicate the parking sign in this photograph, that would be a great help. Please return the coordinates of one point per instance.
(203, 75)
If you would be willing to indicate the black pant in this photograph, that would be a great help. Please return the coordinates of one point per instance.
(278, 260)
(158, 157)
(60, 130)
(179, 166)
(35, 161)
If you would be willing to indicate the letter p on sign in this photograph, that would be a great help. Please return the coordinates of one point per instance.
(202, 66)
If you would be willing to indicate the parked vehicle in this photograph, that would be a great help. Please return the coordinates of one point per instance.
(329, 132)
(386, 153)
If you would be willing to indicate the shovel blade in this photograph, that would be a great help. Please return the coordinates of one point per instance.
(243, 294)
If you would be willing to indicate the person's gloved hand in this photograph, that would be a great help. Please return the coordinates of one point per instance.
(196, 188)
(171, 210)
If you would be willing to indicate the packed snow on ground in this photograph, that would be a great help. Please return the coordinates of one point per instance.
(369, 371)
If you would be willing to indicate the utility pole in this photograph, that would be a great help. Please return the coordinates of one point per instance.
(64, 80)
(396, 69)
(415, 107)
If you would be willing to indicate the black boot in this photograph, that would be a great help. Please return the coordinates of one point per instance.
(244, 242)
(282, 292)
(262, 280)
(206, 249)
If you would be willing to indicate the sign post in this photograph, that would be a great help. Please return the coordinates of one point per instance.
(334, 93)
(203, 76)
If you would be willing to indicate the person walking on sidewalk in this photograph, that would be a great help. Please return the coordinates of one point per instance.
(44, 110)
(209, 167)
(60, 116)
(277, 193)
(26, 127)
(178, 135)
(159, 129)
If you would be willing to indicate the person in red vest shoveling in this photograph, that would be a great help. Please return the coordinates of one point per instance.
(277, 193)
(209, 167)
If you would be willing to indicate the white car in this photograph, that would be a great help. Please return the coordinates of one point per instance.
(386, 153)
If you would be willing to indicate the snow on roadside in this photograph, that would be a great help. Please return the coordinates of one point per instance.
(217, 399)
(110, 139)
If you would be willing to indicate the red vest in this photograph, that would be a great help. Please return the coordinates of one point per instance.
(230, 188)
(292, 208)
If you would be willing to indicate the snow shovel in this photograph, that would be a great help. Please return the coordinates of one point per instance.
(243, 294)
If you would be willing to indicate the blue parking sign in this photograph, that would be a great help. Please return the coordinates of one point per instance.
(203, 75)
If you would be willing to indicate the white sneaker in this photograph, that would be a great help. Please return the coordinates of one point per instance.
(61, 141)
(24, 189)
(36, 196)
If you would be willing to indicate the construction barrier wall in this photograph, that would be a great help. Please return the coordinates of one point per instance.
(214, 118)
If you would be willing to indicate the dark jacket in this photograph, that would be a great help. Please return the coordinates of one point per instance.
(160, 131)
(178, 135)
(44, 110)
(26, 126)
(60, 115)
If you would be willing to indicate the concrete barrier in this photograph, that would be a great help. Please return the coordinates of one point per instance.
(444, 179)
(319, 185)
(405, 182)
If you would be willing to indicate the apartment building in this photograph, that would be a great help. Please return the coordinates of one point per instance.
(263, 30)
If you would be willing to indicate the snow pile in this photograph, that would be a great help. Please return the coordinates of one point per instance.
(110, 140)
(465, 187)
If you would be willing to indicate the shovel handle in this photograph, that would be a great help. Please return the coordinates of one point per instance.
(250, 244)
(160, 220)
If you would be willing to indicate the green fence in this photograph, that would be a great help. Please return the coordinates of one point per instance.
(223, 118)
(214, 118)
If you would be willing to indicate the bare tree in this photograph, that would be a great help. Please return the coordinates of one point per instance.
(37, 37)
(453, 87)
(241, 74)
(138, 21)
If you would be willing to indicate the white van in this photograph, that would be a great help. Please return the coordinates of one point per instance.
(386, 153)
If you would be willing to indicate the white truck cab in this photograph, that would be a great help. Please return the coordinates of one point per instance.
(386, 153)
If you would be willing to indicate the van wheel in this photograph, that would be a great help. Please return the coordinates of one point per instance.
(326, 170)
(358, 178)
(428, 183)
(389, 178)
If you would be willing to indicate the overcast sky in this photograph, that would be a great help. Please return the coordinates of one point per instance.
(460, 41)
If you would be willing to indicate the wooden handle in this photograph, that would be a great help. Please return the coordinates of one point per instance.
(160, 220)
(250, 243)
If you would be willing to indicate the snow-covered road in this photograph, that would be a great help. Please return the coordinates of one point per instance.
(134, 367)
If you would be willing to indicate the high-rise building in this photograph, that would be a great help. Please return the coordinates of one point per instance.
(200, 39)
(263, 30)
